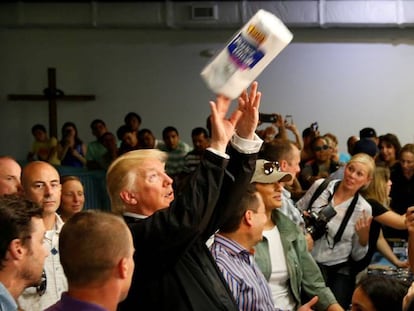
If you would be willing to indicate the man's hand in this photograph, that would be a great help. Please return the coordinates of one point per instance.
(249, 108)
(222, 129)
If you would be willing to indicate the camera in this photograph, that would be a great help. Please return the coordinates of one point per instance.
(267, 117)
(315, 223)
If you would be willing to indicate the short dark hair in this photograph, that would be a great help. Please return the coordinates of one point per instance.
(169, 129)
(97, 121)
(248, 201)
(38, 127)
(15, 220)
(198, 131)
(122, 130)
(131, 115)
(276, 150)
(384, 292)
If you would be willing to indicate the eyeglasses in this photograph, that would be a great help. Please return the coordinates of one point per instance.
(269, 167)
(41, 288)
(320, 148)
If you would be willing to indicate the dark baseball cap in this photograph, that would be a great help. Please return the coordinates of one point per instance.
(366, 145)
(367, 132)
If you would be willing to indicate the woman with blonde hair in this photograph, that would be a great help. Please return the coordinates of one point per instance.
(344, 235)
(377, 195)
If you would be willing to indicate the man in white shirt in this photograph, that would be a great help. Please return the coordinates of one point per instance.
(41, 184)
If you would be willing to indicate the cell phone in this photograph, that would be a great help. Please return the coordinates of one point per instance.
(267, 117)
(289, 119)
(314, 126)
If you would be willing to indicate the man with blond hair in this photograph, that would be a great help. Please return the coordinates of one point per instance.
(174, 269)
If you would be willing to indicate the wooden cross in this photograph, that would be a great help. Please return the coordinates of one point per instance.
(52, 95)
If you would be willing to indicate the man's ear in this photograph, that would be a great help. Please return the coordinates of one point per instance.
(16, 249)
(128, 198)
(283, 165)
(123, 268)
(248, 217)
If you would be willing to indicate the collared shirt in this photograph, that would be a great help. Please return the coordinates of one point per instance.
(55, 276)
(67, 303)
(246, 281)
(7, 302)
(289, 209)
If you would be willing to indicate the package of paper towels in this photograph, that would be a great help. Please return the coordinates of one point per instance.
(246, 55)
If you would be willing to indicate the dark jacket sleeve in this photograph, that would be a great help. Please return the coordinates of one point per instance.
(170, 231)
(236, 180)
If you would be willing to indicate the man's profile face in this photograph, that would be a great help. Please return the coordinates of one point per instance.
(153, 187)
(36, 253)
(41, 183)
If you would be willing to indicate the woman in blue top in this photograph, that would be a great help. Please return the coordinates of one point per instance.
(71, 150)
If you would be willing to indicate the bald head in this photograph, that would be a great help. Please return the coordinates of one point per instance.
(41, 184)
(10, 172)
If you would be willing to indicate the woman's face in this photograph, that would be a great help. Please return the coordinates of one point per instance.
(356, 175)
(271, 194)
(361, 302)
(387, 152)
(73, 197)
(321, 150)
(407, 163)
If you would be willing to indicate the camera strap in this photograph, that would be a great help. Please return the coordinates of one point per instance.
(348, 213)
(344, 222)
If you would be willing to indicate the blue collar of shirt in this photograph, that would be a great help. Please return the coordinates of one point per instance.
(7, 301)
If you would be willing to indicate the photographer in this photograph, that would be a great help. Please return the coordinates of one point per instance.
(346, 234)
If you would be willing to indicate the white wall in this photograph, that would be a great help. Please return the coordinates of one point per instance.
(344, 79)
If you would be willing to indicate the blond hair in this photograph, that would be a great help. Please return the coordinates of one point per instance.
(377, 189)
(366, 160)
(122, 172)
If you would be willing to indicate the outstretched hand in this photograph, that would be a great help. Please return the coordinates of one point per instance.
(249, 107)
(222, 129)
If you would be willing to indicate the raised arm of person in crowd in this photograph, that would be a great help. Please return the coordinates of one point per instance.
(298, 137)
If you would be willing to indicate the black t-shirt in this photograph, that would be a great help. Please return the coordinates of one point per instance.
(374, 231)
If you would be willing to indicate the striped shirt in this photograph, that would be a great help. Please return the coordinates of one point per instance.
(246, 281)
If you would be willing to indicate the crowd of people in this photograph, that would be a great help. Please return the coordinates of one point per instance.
(248, 219)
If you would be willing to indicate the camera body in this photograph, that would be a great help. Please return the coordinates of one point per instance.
(315, 223)
(267, 117)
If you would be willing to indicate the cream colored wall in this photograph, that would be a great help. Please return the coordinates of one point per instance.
(344, 79)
